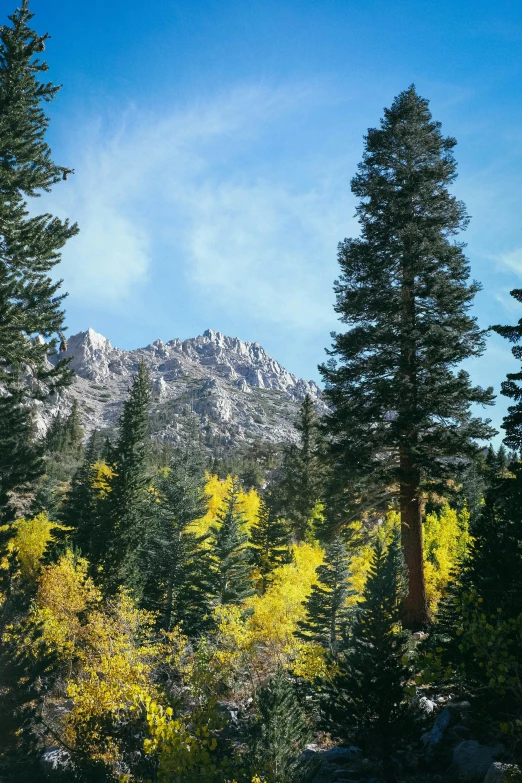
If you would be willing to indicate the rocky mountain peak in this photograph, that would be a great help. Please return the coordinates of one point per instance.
(237, 391)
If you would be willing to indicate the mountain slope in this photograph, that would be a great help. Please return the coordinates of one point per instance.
(235, 390)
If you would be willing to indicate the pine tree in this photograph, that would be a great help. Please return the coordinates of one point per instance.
(399, 402)
(126, 511)
(81, 506)
(269, 541)
(302, 473)
(494, 565)
(21, 456)
(365, 701)
(278, 732)
(231, 570)
(512, 387)
(326, 610)
(29, 246)
(178, 564)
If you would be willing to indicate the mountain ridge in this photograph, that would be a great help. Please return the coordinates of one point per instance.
(234, 389)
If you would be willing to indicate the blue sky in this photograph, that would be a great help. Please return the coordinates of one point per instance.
(214, 141)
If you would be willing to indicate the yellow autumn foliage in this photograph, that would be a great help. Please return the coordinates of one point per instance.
(28, 544)
(276, 613)
(216, 490)
(102, 475)
(65, 594)
(446, 541)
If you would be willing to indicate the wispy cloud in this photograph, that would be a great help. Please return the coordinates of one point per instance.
(512, 261)
(185, 185)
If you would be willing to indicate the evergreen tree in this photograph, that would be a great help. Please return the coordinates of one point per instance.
(81, 506)
(302, 473)
(512, 387)
(278, 732)
(494, 566)
(365, 701)
(326, 610)
(269, 542)
(231, 570)
(21, 456)
(399, 403)
(126, 512)
(178, 565)
(29, 247)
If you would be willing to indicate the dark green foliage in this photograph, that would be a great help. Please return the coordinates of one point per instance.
(178, 564)
(21, 456)
(494, 565)
(278, 732)
(512, 387)
(127, 509)
(302, 474)
(269, 539)
(326, 610)
(82, 505)
(399, 401)
(231, 569)
(29, 248)
(26, 675)
(65, 434)
(365, 702)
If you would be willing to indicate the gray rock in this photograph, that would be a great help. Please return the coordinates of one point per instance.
(55, 758)
(498, 772)
(473, 760)
(340, 756)
(236, 392)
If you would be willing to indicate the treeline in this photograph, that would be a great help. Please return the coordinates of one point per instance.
(166, 618)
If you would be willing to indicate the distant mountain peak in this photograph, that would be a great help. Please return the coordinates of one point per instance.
(237, 391)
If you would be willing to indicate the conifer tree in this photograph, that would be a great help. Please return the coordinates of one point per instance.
(81, 506)
(399, 402)
(365, 701)
(326, 610)
(494, 565)
(30, 246)
(21, 456)
(278, 732)
(178, 564)
(126, 512)
(269, 541)
(302, 473)
(231, 569)
(512, 387)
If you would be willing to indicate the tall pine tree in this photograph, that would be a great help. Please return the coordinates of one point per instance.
(269, 541)
(326, 610)
(178, 564)
(512, 387)
(30, 246)
(81, 507)
(365, 700)
(231, 568)
(302, 474)
(125, 524)
(399, 420)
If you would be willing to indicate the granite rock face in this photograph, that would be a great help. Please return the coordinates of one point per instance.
(237, 393)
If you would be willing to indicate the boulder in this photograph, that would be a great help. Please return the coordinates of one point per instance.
(341, 756)
(55, 758)
(473, 760)
(498, 772)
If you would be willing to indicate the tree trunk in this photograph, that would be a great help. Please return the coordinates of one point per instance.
(414, 606)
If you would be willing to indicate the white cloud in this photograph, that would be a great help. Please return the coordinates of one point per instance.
(512, 261)
(149, 188)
